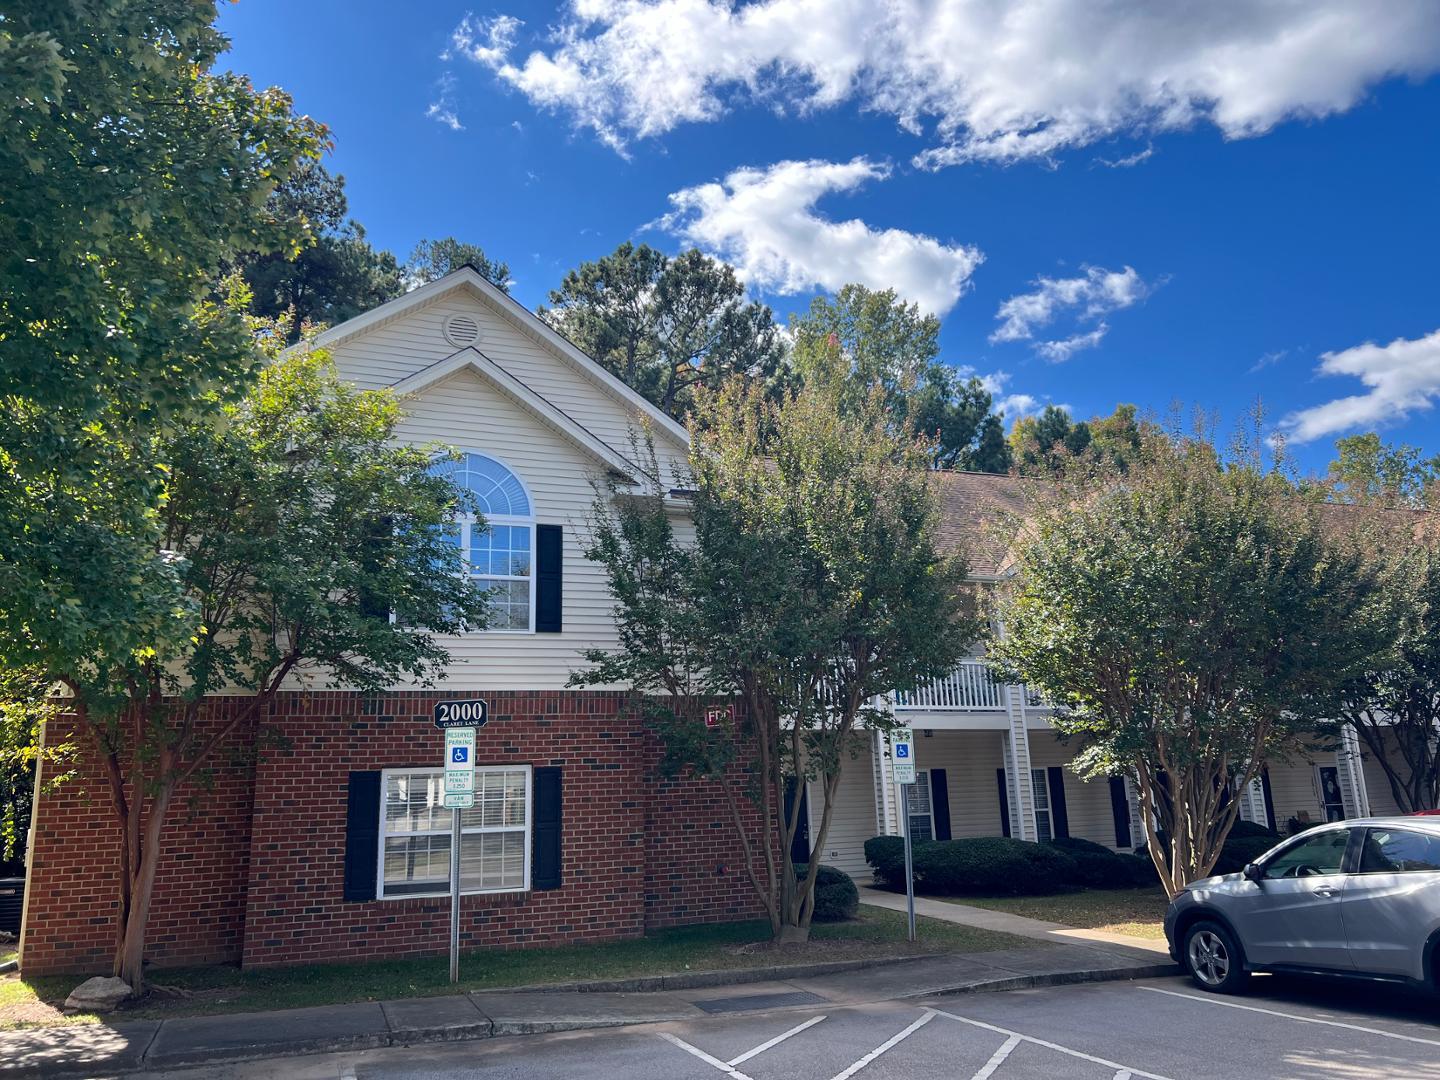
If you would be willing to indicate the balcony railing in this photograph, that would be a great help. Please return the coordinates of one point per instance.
(970, 687)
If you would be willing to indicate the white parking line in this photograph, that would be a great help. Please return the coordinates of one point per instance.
(1293, 1016)
(723, 1066)
(1130, 1069)
(888, 1044)
(776, 1041)
(997, 1059)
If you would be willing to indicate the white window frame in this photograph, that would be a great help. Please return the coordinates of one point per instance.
(1040, 788)
(473, 830)
(922, 779)
(465, 522)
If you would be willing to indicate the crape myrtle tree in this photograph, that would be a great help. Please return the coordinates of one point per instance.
(131, 173)
(292, 526)
(812, 585)
(1394, 703)
(1191, 619)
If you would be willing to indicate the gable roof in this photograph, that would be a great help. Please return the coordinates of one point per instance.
(469, 280)
(473, 360)
(972, 508)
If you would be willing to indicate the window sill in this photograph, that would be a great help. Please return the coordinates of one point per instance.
(445, 895)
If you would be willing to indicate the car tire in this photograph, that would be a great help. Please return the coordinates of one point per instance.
(1213, 958)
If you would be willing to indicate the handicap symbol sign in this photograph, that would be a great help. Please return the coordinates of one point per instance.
(902, 750)
(459, 755)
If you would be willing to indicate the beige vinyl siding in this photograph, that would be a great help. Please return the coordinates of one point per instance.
(853, 821)
(1377, 784)
(969, 759)
(391, 351)
(1292, 789)
(1087, 802)
(467, 412)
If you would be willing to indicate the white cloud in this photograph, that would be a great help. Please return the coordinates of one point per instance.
(998, 81)
(1402, 377)
(1057, 352)
(442, 109)
(1011, 406)
(764, 223)
(1097, 292)
(1128, 161)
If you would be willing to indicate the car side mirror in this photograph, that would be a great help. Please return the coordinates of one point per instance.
(1254, 872)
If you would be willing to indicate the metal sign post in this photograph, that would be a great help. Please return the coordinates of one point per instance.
(459, 796)
(902, 757)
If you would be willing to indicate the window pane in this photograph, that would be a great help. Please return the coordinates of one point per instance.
(1394, 852)
(414, 802)
(1042, 826)
(509, 604)
(1042, 789)
(920, 828)
(492, 861)
(1321, 854)
(417, 864)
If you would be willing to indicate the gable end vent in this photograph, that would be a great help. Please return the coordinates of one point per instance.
(461, 330)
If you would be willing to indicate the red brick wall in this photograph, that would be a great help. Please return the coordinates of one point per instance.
(257, 877)
(198, 912)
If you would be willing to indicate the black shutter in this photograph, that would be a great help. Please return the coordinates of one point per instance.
(362, 835)
(1004, 802)
(1120, 807)
(545, 854)
(1269, 799)
(1059, 819)
(940, 804)
(549, 578)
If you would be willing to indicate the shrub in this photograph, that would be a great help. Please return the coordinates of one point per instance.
(1098, 867)
(836, 897)
(992, 864)
(1245, 830)
(886, 856)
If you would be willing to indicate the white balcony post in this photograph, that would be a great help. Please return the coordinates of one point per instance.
(1352, 774)
(1017, 768)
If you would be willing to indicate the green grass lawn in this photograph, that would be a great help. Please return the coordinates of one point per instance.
(181, 991)
(8, 951)
(1137, 912)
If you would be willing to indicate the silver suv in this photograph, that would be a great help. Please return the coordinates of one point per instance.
(1359, 898)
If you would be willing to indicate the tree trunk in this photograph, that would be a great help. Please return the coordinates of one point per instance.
(130, 962)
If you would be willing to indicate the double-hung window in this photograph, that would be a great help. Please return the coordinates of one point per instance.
(922, 820)
(501, 555)
(415, 831)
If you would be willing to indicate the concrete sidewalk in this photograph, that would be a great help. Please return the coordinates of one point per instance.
(133, 1046)
(1004, 921)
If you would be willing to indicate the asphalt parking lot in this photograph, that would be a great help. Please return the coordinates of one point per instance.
(1161, 1029)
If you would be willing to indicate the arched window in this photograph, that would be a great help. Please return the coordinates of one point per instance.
(500, 556)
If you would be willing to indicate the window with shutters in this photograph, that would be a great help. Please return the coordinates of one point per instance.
(1044, 819)
(500, 556)
(922, 821)
(415, 831)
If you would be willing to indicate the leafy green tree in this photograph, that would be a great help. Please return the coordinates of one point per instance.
(291, 528)
(813, 585)
(666, 326)
(130, 174)
(433, 259)
(335, 277)
(1191, 618)
(1394, 704)
(876, 339)
(27, 702)
(1368, 470)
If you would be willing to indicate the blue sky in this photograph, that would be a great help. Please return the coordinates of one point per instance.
(1127, 206)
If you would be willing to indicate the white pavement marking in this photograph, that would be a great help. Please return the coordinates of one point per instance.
(776, 1041)
(997, 1059)
(1052, 1046)
(1123, 1074)
(888, 1044)
(723, 1066)
(1293, 1016)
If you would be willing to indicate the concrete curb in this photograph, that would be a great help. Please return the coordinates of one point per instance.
(147, 1052)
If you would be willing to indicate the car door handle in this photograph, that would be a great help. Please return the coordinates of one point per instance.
(1327, 891)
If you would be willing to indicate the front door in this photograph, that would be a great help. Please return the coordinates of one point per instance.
(1389, 904)
(1293, 916)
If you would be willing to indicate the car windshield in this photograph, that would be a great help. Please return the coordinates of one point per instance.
(1320, 854)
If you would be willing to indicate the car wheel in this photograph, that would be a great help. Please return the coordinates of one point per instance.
(1213, 958)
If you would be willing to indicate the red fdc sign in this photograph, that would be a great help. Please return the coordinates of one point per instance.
(718, 714)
